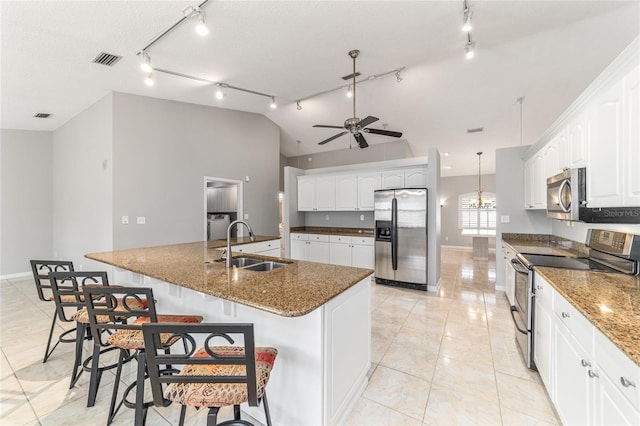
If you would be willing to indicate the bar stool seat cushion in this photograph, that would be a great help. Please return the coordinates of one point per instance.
(133, 338)
(221, 394)
(82, 315)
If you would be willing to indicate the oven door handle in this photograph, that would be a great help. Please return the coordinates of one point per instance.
(519, 267)
(514, 309)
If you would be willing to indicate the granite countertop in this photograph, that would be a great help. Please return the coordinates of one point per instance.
(610, 301)
(290, 291)
(222, 242)
(328, 230)
(545, 244)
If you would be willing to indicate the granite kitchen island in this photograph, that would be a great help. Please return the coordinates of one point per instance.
(317, 316)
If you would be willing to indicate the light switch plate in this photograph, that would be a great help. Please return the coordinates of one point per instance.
(141, 220)
(125, 220)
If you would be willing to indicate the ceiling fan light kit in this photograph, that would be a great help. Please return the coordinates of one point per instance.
(355, 125)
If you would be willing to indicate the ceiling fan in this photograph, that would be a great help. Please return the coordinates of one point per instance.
(354, 125)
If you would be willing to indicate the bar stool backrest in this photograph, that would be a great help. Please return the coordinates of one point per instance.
(157, 335)
(67, 289)
(41, 270)
(118, 308)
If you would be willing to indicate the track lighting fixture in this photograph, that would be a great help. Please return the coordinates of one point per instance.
(349, 92)
(298, 106)
(146, 63)
(466, 18)
(201, 26)
(273, 104)
(398, 78)
(219, 92)
(149, 80)
(469, 47)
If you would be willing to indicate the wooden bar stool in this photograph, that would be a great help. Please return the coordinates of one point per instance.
(122, 307)
(67, 294)
(212, 376)
(41, 269)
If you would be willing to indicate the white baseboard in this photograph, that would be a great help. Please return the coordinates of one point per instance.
(17, 275)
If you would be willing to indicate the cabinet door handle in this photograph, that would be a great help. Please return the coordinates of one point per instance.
(585, 363)
(565, 315)
(593, 374)
(626, 382)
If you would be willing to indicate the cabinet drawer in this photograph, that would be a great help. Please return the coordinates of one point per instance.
(243, 248)
(363, 241)
(340, 239)
(299, 237)
(577, 324)
(623, 372)
(265, 245)
(318, 237)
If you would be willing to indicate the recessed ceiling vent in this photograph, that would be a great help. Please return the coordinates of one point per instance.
(350, 76)
(107, 59)
(42, 115)
(476, 130)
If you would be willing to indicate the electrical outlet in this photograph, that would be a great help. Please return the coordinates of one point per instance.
(326, 217)
(141, 220)
(246, 216)
(361, 217)
(446, 238)
(504, 219)
(125, 220)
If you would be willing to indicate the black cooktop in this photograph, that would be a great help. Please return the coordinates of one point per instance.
(581, 263)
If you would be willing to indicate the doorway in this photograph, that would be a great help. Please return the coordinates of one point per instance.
(222, 205)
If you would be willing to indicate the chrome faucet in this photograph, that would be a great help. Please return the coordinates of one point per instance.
(251, 237)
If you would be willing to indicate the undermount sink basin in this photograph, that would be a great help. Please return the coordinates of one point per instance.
(241, 262)
(265, 266)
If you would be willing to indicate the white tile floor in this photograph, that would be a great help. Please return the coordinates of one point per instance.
(441, 359)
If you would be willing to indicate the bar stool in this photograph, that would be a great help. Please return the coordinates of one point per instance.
(122, 308)
(212, 376)
(41, 269)
(67, 293)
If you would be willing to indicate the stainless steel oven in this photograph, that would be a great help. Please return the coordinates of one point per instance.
(522, 312)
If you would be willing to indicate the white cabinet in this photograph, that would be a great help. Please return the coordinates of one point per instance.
(355, 192)
(544, 332)
(509, 274)
(535, 183)
(221, 200)
(340, 250)
(631, 122)
(319, 248)
(264, 248)
(334, 249)
(606, 147)
(363, 252)
(415, 177)
(367, 184)
(316, 193)
(577, 141)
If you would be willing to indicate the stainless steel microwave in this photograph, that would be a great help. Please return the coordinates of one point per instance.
(566, 193)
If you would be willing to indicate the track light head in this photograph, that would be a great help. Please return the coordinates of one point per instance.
(219, 92)
(145, 65)
(149, 80)
(468, 49)
(349, 92)
(201, 26)
(273, 103)
(466, 21)
(298, 106)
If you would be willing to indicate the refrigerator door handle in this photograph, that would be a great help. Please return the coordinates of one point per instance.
(394, 234)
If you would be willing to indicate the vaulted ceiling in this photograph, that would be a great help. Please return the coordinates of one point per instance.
(546, 51)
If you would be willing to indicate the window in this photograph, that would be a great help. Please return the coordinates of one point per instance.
(477, 220)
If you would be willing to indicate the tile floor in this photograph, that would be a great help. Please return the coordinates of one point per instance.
(446, 359)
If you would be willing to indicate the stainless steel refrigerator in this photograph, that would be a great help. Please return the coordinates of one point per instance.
(401, 237)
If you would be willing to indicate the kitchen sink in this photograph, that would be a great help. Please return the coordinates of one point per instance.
(241, 262)
(264, 266)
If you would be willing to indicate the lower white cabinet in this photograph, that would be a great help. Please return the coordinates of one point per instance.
(264, 248)
(343, 250)
(589, 380)
(509, 274)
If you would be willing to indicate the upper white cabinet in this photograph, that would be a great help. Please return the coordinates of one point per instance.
(404, 178)
(577, 140)
(222, 199)
(316, 193)
(631, 129)
(606, 146)
(535, 182)
(355, 192)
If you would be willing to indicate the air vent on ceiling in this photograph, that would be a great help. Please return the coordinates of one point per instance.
(42, 115)
(106, 59)
(350, 76)
(476, 130)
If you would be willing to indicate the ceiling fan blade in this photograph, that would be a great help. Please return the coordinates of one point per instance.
(333, 137)
(383, 132)
(328, 127)
(362, 142)
(367, 120)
